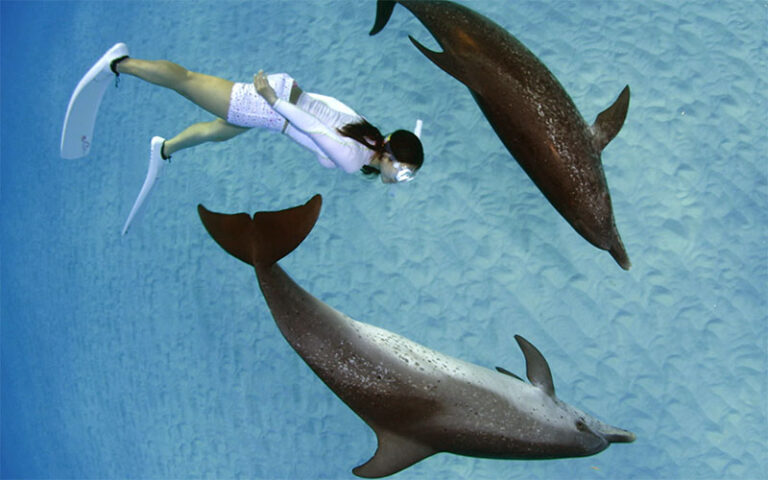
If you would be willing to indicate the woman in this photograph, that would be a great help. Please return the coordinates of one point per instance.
(339, 137)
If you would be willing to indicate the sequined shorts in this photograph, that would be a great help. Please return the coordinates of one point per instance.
(248, 109)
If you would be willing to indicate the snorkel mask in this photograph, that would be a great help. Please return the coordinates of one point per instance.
(402, 173)
(407, 146)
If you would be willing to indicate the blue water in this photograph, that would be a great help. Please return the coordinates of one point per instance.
(154, 356)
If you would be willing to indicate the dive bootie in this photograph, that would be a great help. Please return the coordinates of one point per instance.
(77, 133)
(156, 163)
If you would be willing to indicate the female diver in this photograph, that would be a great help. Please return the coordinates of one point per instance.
(339, 137)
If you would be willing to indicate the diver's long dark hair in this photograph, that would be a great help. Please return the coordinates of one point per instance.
(365, 133)
(402, 144)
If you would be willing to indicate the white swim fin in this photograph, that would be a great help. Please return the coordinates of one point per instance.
(156, 163)
(77, 132)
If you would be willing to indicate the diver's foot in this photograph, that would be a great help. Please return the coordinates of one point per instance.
(113, 64)
(108, 62)
(162, 152)
(156, 156)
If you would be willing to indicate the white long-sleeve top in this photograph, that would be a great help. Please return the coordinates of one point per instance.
(313, 123)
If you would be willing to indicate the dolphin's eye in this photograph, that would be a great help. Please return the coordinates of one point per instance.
(581, 426)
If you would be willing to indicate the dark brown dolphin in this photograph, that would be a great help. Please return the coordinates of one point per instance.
(418, 401)
(531, 113)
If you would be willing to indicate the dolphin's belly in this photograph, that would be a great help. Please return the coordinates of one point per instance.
(555, 151)
(538, 123)
(448, 403)
(398, 385)
(368, 366)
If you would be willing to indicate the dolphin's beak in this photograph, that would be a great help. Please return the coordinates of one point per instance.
(616, 435)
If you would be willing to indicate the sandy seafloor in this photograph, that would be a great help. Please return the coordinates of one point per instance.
(153, 356)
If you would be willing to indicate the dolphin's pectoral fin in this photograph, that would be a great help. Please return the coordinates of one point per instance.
(394, 453)
(507, 372)
(441, 59)
(537, 369)
(383, 12)
(609, 121)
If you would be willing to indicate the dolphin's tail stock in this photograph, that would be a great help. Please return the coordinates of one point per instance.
(383, 12)
(265, 238)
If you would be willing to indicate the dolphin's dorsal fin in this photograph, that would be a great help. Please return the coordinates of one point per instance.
(507, 372)
(537, 369)
(395, 452)
(609, 121)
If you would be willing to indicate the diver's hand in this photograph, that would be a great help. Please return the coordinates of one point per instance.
(263, 88)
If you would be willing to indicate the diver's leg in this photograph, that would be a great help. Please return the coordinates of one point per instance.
(214, 131)
(160, 149)
(209, 92)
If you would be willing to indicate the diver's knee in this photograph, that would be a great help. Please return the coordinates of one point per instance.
(220, 130)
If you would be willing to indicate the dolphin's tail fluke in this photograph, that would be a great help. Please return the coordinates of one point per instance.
(383, 12)
(265, 238)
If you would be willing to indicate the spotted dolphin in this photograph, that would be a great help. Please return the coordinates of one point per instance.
(531, 113)
(418, 401)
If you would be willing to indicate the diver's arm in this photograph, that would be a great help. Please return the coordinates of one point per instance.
(304, 121)
(306, 141)
(263, 88)
(333, 145)
(336, 147)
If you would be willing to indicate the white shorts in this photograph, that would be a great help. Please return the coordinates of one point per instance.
(248, 109)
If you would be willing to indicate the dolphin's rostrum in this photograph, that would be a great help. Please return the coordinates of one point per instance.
(531, 113)
(418, 401)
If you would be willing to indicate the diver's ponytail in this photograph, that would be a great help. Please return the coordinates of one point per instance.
(365, 133)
